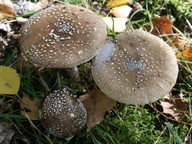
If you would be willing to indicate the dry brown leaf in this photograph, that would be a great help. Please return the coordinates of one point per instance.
(163, 28)
(24, 7)
(6, 133)
(3, 44)
(31, 107)
(174, 105)
(186, 54)
(96, 104)
(162, 25)
(6, 9)
(41, 4)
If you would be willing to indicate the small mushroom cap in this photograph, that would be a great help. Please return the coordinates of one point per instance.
(62, 36)
(138, 68)
(62, 114)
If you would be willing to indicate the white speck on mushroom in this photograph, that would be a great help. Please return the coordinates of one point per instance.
(72, 115)
(80, 52)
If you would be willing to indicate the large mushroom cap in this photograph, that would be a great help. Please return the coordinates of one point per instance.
(62, 114)
(139, 68)
(62, 36)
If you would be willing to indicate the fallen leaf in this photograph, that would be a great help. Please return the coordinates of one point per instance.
(31, 106)
(6, 9)
(6, 133)
(116, 24)
(116, 3)
(162, 25)
(5, 27)
(174, 105)
(186, 54)
(121, 11)
(9, 80)
(3, 44)
(8, 3)
(96, 104)
(163, 28)
(23, 7)
(41, 4)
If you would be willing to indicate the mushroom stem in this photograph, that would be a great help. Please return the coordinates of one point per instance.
(73, 72)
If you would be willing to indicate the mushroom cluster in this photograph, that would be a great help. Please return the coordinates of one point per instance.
(135, 68)
(62, 36)
(62, 114)
(138, 68)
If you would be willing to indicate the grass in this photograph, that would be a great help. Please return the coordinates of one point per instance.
(125, 124)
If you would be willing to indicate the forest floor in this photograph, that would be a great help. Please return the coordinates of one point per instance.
(166, 121)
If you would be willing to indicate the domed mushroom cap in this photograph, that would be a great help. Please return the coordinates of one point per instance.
(139, 68)
(62, 36)
(62, 114)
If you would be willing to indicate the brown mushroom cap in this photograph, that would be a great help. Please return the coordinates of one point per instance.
(62, 114)
(138, 68)
(62, 36)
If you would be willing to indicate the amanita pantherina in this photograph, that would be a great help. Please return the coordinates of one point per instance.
(62, 114)
(137, 68)
(62, 36)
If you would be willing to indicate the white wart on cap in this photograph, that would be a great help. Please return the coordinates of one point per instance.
(62, 36)
(62, 114)
(138, 68)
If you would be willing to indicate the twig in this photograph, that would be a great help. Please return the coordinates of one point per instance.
(169, 117)
(186, 92)
(160, 135)
(188, 23)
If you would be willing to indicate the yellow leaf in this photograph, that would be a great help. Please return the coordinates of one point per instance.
(186, 54)
(31, 106)
(9, 80)
(115, 3)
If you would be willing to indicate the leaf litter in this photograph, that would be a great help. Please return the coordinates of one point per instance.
(6, 133)
(96, 104)
(174, 105)
(9, 80)
(29, 108)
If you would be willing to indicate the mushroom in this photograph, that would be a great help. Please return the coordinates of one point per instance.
(62, 114)
(62, 36)
(137, 68)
